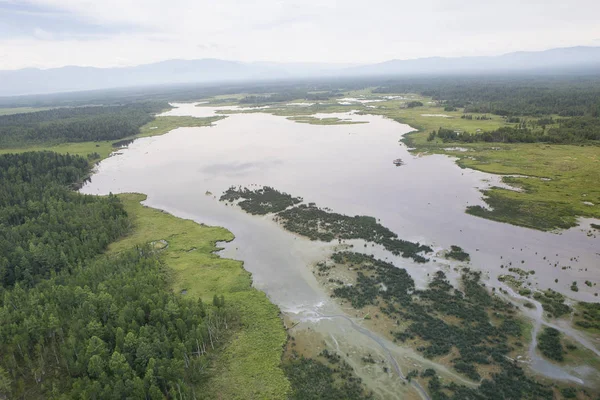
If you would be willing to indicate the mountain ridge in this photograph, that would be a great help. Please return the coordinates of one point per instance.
(175, 71)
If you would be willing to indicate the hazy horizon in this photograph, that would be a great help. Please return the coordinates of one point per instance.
(55, 33)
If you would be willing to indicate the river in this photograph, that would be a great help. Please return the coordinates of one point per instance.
(349, 169)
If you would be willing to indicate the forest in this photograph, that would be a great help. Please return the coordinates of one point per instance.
(566, 96)
(568, 131)
(78, 324)
(44, 227)
(77, 124)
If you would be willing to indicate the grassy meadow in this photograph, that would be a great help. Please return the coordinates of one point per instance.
(249, 367)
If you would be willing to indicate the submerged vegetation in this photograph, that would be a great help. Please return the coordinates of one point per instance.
(477, 339)
(320, 224)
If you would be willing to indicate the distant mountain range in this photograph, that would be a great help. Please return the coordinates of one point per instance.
(37, 81)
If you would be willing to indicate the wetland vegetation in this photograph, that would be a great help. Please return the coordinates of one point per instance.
(331, 379)
(477, 331)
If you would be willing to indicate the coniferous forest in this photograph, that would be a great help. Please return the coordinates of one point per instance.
(78, 324)
(76, 124)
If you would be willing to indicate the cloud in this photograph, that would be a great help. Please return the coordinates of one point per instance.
(127, 32)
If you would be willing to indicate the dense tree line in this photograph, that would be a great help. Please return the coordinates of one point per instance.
(76, 324)
(76, 124)
(568, 130)
(516, 95)
(44, 227)
(109, 329)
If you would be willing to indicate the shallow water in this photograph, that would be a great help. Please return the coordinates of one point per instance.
(349, 169)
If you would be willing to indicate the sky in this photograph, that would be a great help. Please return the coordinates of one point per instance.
(109, 33)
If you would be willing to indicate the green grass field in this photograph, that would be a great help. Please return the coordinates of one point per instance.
(249, 367)
(21, 110)
(324, 121)
(103, 148)
(162, 125)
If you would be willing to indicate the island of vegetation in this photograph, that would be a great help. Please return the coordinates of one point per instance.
(320, 224)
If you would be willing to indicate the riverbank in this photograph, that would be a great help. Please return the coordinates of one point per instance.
(249, 365)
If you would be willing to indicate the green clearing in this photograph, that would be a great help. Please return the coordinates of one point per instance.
(165, 124)
(249, 367)
(295, 111)
(324, 121)
(21, 110)
(82, 149)
(159, 126)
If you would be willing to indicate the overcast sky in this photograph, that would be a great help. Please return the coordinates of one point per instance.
(53, 33)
